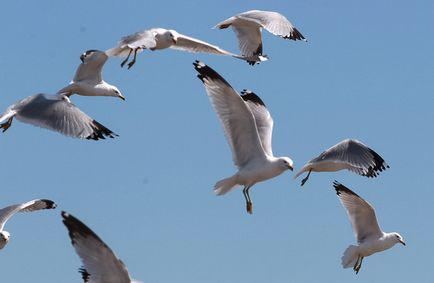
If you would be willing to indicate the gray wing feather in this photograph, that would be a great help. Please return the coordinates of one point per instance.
(58, 114)
(264, 121)
(274, 22)
(237, 119)
(360, 212)
(359, 157)
(142, 40)
(91, 68)
(100, 263)
(33, 205)
(191, 44)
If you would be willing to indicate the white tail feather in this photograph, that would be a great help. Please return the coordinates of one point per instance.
(225, 185)
(350, 256)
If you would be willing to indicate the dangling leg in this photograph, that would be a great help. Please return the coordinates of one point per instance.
(360, 265)
(307, 177)
(134, 58)
(249, 204)
(7, 124)
(126, 59)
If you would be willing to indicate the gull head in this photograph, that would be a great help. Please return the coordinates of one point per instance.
(398, 238)
(114, 91)
(171, 35)
(4, 238)
(286, 163)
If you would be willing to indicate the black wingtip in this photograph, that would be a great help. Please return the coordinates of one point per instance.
(295, 35)
(248, 95)
(342, 189)
(84, 274)
(100, 132)
(49, 204)
(379, 165)
(206, 72)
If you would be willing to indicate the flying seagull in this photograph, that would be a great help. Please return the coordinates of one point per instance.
(100, 263)
(349, 154)
(248, 28)
(88, 79)
(369, 236)
(248, 128)
(160, 38)
(57, 113)
(9, 211)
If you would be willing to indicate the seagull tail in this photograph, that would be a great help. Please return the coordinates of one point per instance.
(350, 256)
(117, 51)
(225, 185)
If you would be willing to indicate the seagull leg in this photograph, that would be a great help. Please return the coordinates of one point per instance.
(7, 124)
(134, 58)
(249, 204)
(126, 59)
(360, 265)
(305, 179)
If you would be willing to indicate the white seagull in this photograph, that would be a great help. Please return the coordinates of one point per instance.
(88, 79)
(369, 236)
(100, 263)
(9, 211)
(349, 154)
(57, 113)
(160, 38)
(248, 25)
(248, 128)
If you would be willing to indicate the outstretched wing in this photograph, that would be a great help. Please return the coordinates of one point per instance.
(100, 263)
(264, 121)
(33, 205)
(91, 65)
(237, 120)
(57, 113)
(360, 213)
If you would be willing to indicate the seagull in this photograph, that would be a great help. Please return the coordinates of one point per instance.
(160, 38)
(369, 236)
(248, 25)
(248, 128)
(100, 263)
(88, 79)
(349, 154)
(57, 113)
(9, 211)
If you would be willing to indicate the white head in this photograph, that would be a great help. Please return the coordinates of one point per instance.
(286, 163)
(396, 238)
(114, 91)
(4, 238)
(171, 35)
(93, 55)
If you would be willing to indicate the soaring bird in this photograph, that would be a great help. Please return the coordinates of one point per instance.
(248, 128)
(248, 29)
(368, 234)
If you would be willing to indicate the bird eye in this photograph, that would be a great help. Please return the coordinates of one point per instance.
(117, 92)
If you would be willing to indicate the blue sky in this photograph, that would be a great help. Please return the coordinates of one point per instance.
(366, 73)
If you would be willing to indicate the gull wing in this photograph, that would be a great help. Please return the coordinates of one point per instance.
(91, 67)
(274, 22)
(57, 113)
(360, 212)
(264, 121)
(191, 44)
(237, 119)
(33, 205)
(142, 40)
(100, 263)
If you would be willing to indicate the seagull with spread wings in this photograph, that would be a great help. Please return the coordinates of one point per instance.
(57, 113)
(248, 128)
(370, 238)
(160, 38)
(9, 211)
(348, 154)
(248, 29)
(88, 78)
(100, 263)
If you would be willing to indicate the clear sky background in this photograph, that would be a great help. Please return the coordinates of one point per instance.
(365, 73)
